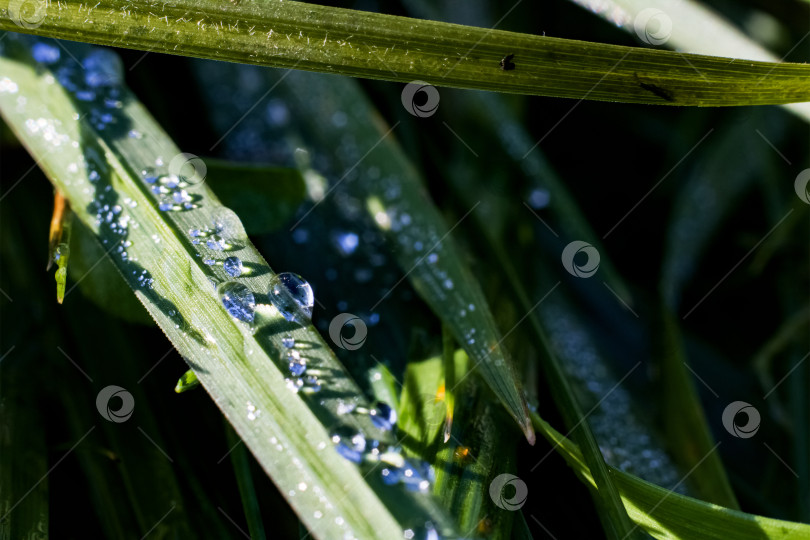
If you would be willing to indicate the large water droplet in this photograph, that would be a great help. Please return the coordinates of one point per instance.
(238, 300)
(228, 226)
(233, 266)
(292, 296)
(288, 341)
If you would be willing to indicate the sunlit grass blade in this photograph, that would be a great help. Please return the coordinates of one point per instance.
(476, 453)
(669, 515)
(448, 346)
(362, 44)
(242, 368)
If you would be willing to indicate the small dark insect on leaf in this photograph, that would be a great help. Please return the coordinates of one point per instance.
(663, 93)
(506, 62)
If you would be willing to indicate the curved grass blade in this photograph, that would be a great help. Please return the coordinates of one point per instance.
(669, 515)
(241, 367)
(685, 421)
(361, 44)
(708, 196)
(421, 240)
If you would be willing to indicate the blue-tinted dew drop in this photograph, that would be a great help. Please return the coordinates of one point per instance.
(292, 296)
(233, 266)
(383, 416)
(238, 301)
(349, 444)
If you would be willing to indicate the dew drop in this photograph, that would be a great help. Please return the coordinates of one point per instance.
(233, 266)
(181, 196)
(298, 367)
(383, 416)
(292, 296)
(349, 444)
(238, 301)
(288, 341)
(62, 250)
(216, 242)
(228, 225)
(149, 175)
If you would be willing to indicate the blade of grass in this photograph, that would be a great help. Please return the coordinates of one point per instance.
(688, 26)
(666, 514)
(319, 38)
(478, 450)
(242, 370)
(685, 421)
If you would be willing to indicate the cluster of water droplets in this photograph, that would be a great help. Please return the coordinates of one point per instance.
(299, 379)
(359, 448)
(94, 79)
(170, 189)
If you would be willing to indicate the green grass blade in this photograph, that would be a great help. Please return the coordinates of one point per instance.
(244, 371)
(669, 515)
(362, 44)
(478, 450)
(685, 422)
(687, 26)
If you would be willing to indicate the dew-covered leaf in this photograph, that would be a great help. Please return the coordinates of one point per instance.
(100, 147)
